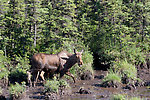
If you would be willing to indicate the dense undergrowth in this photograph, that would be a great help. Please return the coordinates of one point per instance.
(125, 63)
(16, 91)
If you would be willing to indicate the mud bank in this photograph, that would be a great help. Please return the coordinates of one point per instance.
(92, 90)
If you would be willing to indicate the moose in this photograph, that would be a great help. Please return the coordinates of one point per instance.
(54, 63)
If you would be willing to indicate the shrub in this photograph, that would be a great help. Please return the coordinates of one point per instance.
(54, 85)
(118, 97)
(135, 98)
(3, 72)
(126, 69)
(134, 54)
(87, 61)
(4, 62)
(17, 90)
(63, 83)
(17, 75)
(51, 86)
(23, 63)
(112, 79)
(123, 97)
(112, 76)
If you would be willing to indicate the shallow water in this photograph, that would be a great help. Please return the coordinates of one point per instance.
(96, 92)
(100, 93)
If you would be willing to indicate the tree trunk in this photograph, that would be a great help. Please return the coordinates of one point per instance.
(35, 33)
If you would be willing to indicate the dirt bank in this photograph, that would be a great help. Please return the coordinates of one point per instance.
(92, 89)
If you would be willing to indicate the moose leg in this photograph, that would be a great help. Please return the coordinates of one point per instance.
(42, 75)
(29, 78)
(69, 74)
(35, 77)
(34, 73)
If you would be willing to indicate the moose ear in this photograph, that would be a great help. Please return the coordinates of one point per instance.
(81, 51)
(75, 51)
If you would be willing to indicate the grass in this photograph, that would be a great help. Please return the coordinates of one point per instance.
(135, 98)
(112, 76)
(17, 89)
(126, 69)
(123, 97)
(118, 97)
(54, 85)
(63, 83)
(87, 61)
(51, 86)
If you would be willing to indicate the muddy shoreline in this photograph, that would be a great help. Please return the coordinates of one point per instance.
(95, 91)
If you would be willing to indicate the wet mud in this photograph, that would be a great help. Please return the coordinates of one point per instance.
(92, 90)
(101, 93)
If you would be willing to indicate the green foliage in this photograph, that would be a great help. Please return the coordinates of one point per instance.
(22, 63)
(87, 60)
(54, 85)
(120, 29)
(18, 71)
(118, 97)
(112, 29)
(123, 97)
(131, 53)
(112, 76)
(134, 54)
(135, 98)
(126, 69)
(18, 74)
(4, 73)
(4, 63)
(17, 89)
(51, 86)
(63, 83)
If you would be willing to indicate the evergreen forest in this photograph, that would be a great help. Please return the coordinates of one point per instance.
(114, 33)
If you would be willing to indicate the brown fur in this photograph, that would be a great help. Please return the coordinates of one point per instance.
(54, 63)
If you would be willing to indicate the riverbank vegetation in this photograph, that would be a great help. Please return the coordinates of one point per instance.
(112, 33)
(124, 97)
